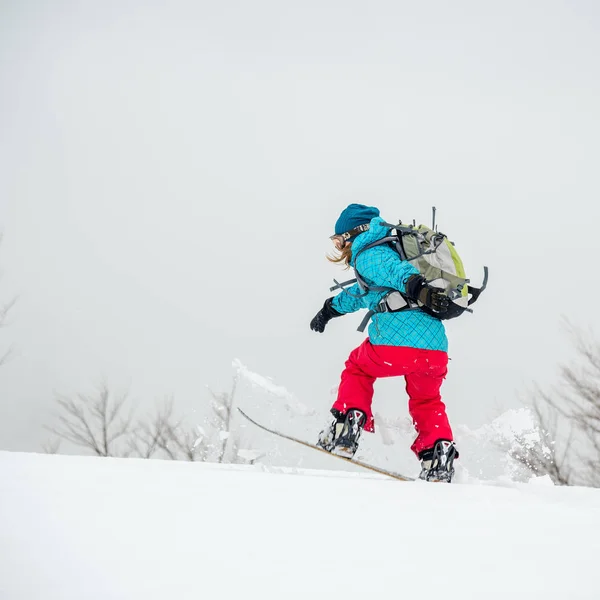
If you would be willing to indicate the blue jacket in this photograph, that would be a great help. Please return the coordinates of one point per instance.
(382, 266)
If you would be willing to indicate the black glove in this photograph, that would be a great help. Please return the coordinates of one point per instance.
(418, 289)
(324, 316)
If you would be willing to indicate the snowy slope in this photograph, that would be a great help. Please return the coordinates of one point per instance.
(87, 528)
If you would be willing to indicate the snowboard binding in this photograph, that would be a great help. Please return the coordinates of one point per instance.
(437, 463)
(342, 435)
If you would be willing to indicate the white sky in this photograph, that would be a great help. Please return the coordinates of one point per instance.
(170, 172)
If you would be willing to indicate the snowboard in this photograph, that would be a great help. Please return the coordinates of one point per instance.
(291, 438)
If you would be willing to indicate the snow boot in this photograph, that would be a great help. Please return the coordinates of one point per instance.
(342, 435)
(437, 463)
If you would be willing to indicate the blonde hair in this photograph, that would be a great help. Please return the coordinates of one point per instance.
(342, 256)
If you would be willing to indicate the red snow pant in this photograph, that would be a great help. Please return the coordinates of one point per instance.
(423, 370)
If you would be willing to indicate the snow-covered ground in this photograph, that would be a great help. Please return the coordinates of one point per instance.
(79, 528)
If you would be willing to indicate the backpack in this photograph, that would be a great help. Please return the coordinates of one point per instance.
(436, 259)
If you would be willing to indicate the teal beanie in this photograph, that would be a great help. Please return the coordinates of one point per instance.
(353, 216)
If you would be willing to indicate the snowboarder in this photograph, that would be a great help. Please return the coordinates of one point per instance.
(408, 343)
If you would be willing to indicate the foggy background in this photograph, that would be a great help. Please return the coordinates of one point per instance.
(170, 173)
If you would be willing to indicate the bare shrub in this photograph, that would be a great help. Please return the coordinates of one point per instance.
(94, 421)
(164, 436)
(568, 418)
(103, 423)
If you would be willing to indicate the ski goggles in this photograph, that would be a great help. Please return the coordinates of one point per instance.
(340, 239)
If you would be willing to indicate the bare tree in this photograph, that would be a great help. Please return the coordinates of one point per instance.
(568, 418)
(538, 452)
(102, 423)
(227, 447)
(181, 443)
(5, 308)
(147, 436)
(164, 435)
(51, 446)
(96, 422)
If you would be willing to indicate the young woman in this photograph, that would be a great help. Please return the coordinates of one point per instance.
(408, 343)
